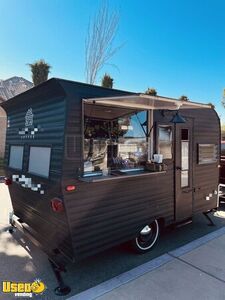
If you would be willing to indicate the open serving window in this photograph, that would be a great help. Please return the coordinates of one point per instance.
(118, 133)
(115, 139)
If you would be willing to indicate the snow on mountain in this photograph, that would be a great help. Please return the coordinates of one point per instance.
(14, 86)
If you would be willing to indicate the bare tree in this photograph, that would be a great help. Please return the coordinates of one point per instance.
(99, 42)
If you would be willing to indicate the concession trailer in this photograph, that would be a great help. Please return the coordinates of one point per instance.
(89, 168)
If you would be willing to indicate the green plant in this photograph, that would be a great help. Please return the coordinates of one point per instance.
(151, 92)
(211, 104)
(40, 71)
(107, 81)
(183, 98)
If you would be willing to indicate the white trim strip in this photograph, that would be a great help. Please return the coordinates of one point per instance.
(180, 102)
(153, 102)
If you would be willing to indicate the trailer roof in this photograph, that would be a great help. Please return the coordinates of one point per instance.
(143, 101)
(127, 99)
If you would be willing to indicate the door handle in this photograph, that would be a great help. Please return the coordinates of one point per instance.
(178, 168)
(188, 191)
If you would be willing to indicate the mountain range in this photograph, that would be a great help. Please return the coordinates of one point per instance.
(13, 86)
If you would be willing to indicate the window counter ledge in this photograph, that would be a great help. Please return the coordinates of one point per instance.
(119, 177)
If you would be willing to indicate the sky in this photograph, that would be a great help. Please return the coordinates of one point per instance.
(176, 47)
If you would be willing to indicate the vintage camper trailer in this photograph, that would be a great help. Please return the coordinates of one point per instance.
(89, 167)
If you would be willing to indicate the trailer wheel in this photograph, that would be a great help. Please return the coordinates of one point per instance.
(147, 238)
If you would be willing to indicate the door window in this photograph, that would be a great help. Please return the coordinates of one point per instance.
(184, 158)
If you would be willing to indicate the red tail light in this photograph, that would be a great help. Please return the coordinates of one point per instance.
(8, 181)
(70, 188)
(57, 205)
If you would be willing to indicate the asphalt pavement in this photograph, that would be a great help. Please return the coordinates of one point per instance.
(20, 260)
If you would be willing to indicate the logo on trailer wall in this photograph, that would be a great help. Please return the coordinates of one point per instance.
(30, 130)
(29, 118)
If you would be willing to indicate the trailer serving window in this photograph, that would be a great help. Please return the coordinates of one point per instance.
(16, 157)
(39, 161)
(119, 132)
(115, 139)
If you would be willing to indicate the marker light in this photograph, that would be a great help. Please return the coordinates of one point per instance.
(57, 205)
(70, 188)
(8, 181)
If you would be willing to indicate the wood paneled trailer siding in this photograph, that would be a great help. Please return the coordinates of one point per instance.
(206, 176)
(97, 211)
(110, 212)
(102, 213)
(49, 108)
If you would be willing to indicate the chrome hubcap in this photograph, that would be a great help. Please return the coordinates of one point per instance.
(146, 230)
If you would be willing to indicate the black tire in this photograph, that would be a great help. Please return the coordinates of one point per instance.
(147, 238)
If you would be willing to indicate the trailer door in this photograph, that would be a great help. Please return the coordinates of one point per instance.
(183, 170)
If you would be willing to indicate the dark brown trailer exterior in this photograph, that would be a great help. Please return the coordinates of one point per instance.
(102, 211)
(222, 163)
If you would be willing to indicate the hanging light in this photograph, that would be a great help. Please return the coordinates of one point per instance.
(177, 119)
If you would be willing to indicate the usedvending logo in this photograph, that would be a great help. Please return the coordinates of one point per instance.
(24, 289)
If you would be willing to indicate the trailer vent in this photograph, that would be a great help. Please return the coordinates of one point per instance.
(207, 153)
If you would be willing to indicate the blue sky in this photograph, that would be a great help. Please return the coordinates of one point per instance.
(177, 47)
